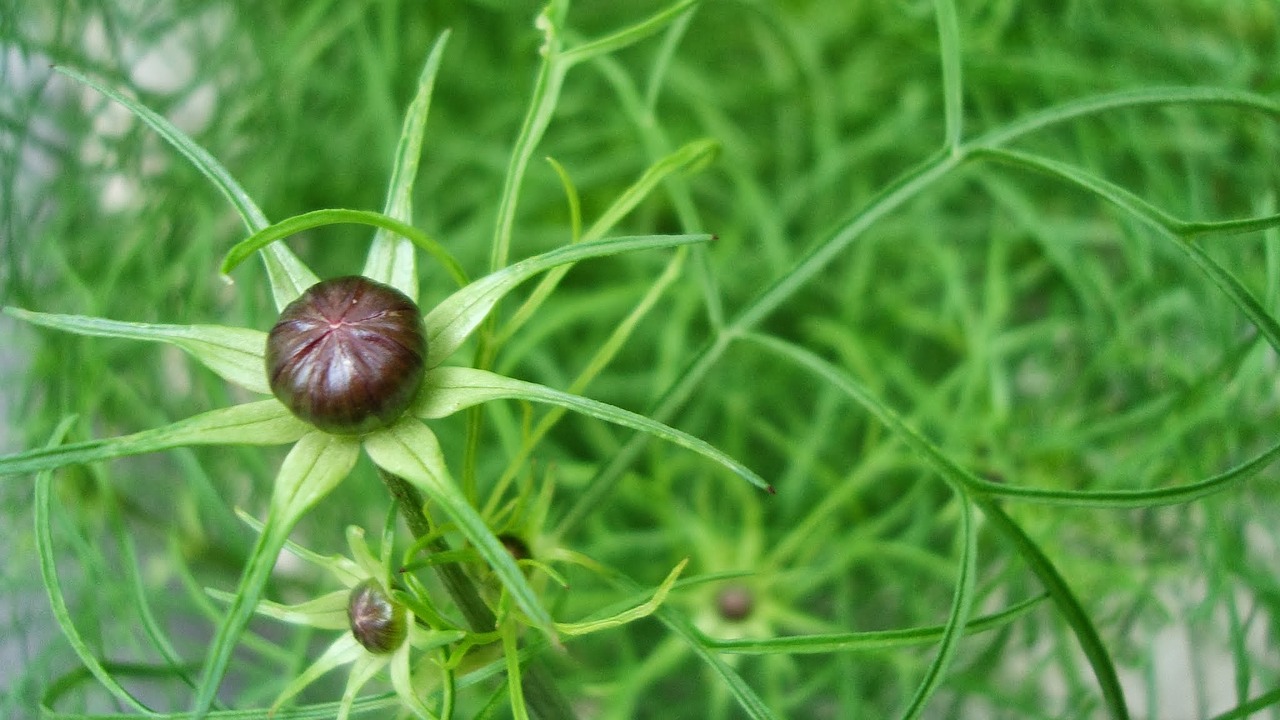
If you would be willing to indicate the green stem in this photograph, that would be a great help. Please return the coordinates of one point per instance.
(540, 691)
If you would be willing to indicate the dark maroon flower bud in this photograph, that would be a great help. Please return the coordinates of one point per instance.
(518, 548)
(377, 621)
(735, 602)
(348, 355)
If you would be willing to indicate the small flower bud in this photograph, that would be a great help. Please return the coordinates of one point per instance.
(348, 355)
(735, 603)
(518, 548)
(377, 622)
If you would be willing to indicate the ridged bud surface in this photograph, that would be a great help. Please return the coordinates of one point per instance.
(348, 355)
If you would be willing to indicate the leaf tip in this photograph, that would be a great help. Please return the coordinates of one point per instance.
(770, 489)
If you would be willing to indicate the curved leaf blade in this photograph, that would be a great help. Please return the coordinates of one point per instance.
(740, 689)
(1068, 605)
(53, 585)
(636, 612)
(868, 641)
(267, 236)
(961, 606)
(962, 479)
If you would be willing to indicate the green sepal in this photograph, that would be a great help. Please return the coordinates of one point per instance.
(235, 354)
(391, 259)
(328, 612)
(453, 321)
(316, 464)
(311, 470)
(340, 652)
(265, 422)
(410, 450)
(447, 390)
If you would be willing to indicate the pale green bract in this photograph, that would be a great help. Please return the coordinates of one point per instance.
(319, 461)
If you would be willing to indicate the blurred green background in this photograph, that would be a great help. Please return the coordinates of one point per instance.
(1037, 334)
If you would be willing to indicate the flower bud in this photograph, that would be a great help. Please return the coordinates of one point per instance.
(377, 622)
(735, 603)
(348, 355)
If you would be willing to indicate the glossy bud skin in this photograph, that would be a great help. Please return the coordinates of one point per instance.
(377, 622)
(348, 355)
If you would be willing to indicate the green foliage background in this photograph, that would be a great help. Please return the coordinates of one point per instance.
(1038, 334)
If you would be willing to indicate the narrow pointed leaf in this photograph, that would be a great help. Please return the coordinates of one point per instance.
(233, 353)
(453, 320)
(952, 84)
(693, 154)
(391, 259)
(963, 480)
(314, 466)
(342, 651)
(642, 610)
(266, 422)
(515, 688)
(288, 275)
(402, 681)
(328, 612)
(628, 35)
(447, 390)
(410, 450)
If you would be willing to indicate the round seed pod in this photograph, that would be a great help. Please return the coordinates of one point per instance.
(377, 622)
(348, 355)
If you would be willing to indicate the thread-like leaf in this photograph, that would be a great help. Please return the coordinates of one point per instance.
(961, 605)
(53, 585)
